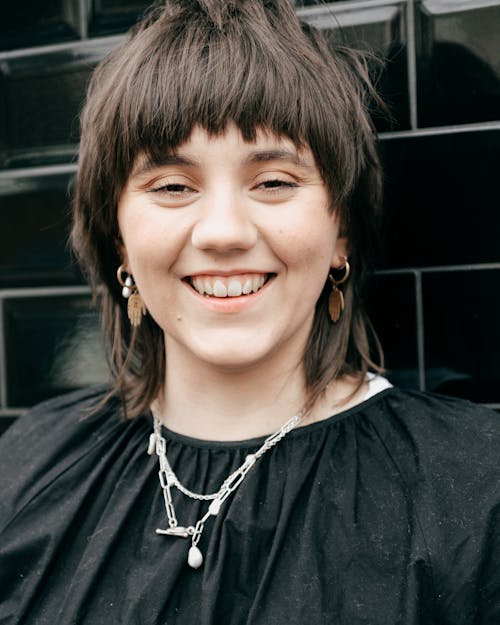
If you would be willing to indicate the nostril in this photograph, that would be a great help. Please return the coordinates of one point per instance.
(224, 232)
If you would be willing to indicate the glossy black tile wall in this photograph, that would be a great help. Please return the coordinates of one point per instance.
(458, 48)
(114, 16)
(53, 345)
(442, 199)
(380, 31)
(5, 423)
(33, 23)
(40, 99)
(462, 333)
(35, 210)
(392, 310)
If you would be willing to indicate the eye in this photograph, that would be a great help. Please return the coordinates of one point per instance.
(172, 188)
(276, 185)
(271, 184)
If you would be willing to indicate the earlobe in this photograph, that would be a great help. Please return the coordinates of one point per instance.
(341, 253)
(336, 299)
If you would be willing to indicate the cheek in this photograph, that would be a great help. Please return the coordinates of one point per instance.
(151, 243)
(311, 244)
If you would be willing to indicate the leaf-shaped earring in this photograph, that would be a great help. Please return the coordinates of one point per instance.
(336, 299)
(135, 305)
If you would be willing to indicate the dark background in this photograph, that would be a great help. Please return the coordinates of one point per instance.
(435, 299)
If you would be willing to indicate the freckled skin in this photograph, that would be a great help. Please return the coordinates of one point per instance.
(229, 210)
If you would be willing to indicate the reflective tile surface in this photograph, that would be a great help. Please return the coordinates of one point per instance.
(35, 213)
(40, 100)
(458, 55)
(442, 199)
(381, 32)
(53, 346)
(37, 22)
(462, 333)
(5, 423)
(114, 16)
(391, 308)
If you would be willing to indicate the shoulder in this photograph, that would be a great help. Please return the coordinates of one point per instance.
(447, 452)
(49, 439)
(456, 497)
(445, 449)
(438, 422)
(60, 417)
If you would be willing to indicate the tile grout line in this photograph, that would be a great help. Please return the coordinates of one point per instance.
(3, 359)
(495, 266)
(83, 15)
(346, 5)
(78, 45)
(435, 131)
(8, 413)
(43, 291)
(419, 310)
(411, 62)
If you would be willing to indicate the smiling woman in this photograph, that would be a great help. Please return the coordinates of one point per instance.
(220, 68)
(226, 212)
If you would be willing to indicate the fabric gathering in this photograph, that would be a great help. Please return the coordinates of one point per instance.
(248, 461)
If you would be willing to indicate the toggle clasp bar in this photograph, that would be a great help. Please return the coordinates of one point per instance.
(180, 532)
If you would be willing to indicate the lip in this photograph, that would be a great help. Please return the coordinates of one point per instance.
(226, 274)
(228, 304)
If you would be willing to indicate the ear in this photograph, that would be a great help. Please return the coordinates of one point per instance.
(340, 253)
(121, 251)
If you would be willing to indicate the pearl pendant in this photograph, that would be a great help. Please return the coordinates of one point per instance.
(195, 559)
(127, 289)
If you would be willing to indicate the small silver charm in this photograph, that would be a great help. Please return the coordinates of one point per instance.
(195, 559)
(179, 532)
(151, 444)
(214, 507)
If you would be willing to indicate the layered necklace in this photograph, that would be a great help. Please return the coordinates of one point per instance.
(169, 480)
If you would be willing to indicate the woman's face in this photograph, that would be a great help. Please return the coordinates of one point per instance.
(230, 244)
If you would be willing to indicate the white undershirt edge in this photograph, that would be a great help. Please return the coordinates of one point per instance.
(376, 384)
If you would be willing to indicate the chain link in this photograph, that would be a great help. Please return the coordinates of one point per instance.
(168, 478)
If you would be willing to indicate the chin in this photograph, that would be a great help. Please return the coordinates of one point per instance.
(232, 361)
(237, 354)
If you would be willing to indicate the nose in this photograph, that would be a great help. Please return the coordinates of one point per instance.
(224, 223)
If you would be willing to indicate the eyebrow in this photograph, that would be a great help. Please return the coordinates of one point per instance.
(146, 164)
(263, 156)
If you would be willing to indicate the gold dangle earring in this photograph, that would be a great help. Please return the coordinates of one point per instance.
(336, 299)
(135, 304)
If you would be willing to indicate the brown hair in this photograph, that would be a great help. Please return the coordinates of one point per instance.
(208, 63)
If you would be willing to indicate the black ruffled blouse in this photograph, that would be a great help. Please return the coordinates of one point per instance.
(385, 514)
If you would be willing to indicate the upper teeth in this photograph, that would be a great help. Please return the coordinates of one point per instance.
(231, 286)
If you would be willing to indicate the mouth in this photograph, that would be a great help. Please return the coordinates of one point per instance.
(228, 286)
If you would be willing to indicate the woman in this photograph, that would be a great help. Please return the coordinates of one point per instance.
(225, 211)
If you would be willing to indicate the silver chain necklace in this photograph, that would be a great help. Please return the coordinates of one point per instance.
(169, 479)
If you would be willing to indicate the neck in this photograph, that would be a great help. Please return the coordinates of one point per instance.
(210, 403)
